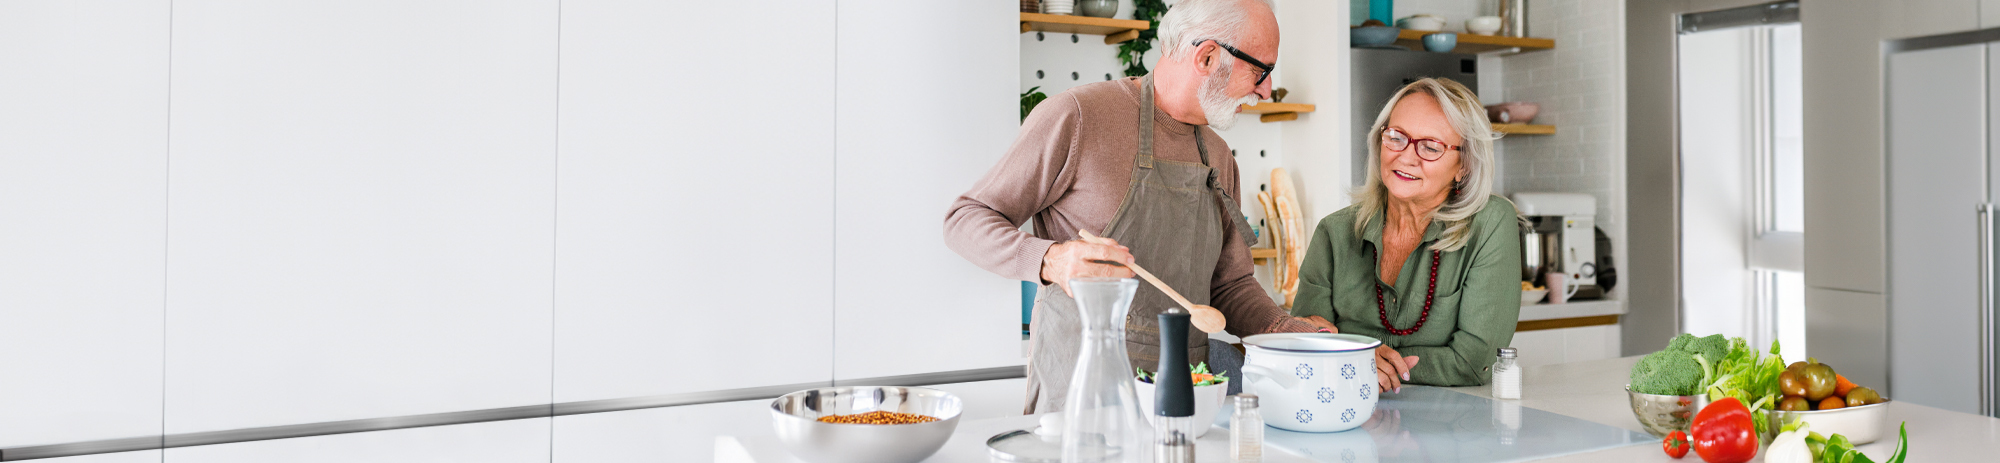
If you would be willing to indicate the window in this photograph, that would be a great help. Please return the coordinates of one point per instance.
(1742, 185)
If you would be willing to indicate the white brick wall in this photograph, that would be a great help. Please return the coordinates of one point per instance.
(1581, 87)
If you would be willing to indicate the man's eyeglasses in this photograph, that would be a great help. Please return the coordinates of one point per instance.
(1430, 149)
(1263, 70)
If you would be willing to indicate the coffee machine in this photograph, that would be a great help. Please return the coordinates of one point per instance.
(1559, 234)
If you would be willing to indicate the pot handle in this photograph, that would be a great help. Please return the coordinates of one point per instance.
(1254, 373)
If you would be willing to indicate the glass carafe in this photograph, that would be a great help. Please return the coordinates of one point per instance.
(1102, 413)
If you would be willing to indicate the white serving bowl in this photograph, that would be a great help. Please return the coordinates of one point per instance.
(1483, 25)
(1312, 382)
(1861, 425)
(1533, 296)
(1207, 400)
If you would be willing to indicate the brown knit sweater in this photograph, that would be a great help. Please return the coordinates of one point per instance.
(1070, 168)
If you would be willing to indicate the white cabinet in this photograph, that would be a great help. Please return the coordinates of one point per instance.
(1566, 345)
(920, 119)
(83, 175)
(361, 209)
(515, 441)
(141, 456)
(694, 221)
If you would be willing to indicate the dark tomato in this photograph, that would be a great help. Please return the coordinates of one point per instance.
(1863, 396)
(1794, 403)
(1790, 383)
(1819, 381)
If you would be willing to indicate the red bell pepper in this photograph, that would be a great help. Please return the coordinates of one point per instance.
(1724, 432)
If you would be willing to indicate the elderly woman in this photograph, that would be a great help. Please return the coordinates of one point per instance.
(1425, 259)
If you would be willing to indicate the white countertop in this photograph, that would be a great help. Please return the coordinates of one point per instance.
(1592, 391)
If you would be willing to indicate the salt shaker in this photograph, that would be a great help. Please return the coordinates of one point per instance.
(1506, 375)
(1246, 431)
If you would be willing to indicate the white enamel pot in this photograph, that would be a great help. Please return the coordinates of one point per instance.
(1312, 382)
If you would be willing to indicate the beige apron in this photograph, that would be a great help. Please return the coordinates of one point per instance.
(1173, 218)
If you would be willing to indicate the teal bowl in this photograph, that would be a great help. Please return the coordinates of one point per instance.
(1441, 42)
(1372, 36)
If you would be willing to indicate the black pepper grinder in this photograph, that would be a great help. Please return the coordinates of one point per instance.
(1173, 387)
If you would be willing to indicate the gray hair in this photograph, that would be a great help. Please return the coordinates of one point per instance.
(1475, 160)
(1191, 21)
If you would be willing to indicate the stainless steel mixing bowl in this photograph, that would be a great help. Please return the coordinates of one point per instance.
(1662, 414)
(796, 417)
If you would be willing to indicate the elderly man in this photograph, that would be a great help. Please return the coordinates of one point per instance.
(1130, 160)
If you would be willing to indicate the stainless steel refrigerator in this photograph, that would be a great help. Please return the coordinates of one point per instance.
(1942, 179)
(1376, 74)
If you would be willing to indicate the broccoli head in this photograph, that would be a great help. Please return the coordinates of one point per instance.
(1713, 347)
(1681, 342)
(1667, 372)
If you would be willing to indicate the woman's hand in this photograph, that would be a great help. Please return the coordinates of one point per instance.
(1315, 320)
(1392, 369)
(1071, 259)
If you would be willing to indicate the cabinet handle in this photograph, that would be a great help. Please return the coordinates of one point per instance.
(1986, 296)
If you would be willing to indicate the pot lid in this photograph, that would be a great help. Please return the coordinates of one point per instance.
(1313, 343)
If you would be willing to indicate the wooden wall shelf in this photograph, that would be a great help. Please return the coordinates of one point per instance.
(1113, 30)
(1471, 43)
(1259, 255)
(1274, 112)
(1525, 129)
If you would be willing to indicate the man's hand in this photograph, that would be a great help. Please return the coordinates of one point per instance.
(1321, 323)
(1071, 259)
(1392, 369)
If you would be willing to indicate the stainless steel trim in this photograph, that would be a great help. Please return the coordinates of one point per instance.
(481, 416)
(1754, 15)
(1940, 41)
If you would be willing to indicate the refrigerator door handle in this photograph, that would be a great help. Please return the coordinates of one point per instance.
(1986, 297)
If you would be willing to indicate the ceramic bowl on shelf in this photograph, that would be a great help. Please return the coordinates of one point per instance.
(1058, 6)
(1422, 22)
(1372, 36)
(1515, 112)
(1441, 42)
(1483, 25)
(1097, 8)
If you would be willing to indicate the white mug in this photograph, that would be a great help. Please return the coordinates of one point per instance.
(1561, 288)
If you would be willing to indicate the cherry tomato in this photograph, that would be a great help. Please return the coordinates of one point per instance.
(1791, 383)
(1819, 381)
(1832, 403)
(1676, 444)
(1794, 403)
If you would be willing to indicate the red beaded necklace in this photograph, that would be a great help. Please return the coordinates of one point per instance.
(1429, 294)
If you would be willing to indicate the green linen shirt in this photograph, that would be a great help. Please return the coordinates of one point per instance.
(1474, 313)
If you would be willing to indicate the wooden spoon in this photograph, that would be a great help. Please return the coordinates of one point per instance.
(1206, 318)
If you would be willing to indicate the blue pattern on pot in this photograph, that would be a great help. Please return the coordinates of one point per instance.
(1326, 395)
(1347, 371)
(1304, 371)
(1304, 416)
(1347, 416)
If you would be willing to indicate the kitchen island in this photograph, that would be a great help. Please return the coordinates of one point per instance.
(1590, 392)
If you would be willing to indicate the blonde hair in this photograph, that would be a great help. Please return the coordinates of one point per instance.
(1475, 161)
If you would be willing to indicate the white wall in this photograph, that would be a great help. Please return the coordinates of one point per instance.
(83, 174)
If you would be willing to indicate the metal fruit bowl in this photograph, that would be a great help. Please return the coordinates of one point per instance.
(1861, 425)
(796, 417)
(1662, 414)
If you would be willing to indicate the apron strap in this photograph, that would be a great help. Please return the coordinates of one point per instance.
(1145, 161)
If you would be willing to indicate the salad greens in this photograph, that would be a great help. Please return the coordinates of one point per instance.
(1199, 373)
(1747, 375)
(1836, 448)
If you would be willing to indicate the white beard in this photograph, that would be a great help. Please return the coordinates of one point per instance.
(1215, 101)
